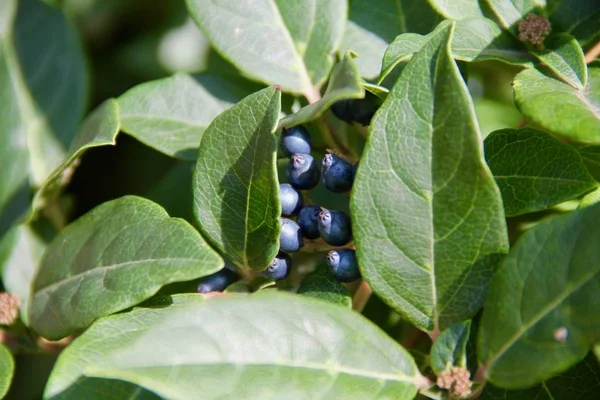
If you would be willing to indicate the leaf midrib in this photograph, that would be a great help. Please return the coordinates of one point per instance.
(96, 371)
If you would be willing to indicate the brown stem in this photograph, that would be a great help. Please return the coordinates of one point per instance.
(412, 339)
(312, 95)
(361, 296)
(592, 53)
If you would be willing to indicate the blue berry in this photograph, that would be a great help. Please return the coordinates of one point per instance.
(280, 267)
(335, 227)
(218, 281)
(290, 238)
(336, 174)
(295, 140)
(302, 171)
(308, 219)
(343, 265)
(291, 200)
(357, 110)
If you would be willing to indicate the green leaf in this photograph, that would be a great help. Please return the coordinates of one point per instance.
(426, 212)
(579, 383)
(550, 287)
(43, 87)
(457, 9)
(565, 58)
(236, 193)
(494, 115)
(581, 18)
(291, 44)
(100, 128)
(510, 12)
(170, 114)
(591, 158)
(112, 258)
(7, 369)
(535, 171)
(474, 39)
(321, 284)
(318, 350)
(590, 199)
(344, 83)
(450, 348)
(558, 107)
(372, 25)
(379, 91)
(21, 250)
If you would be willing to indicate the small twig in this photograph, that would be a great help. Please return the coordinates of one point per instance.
(313, 95)
(361, 296)
(592, 53)
(412, 339)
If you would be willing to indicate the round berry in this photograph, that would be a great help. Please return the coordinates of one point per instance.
(335, 227)
(290, 238)
(302, 171)
(336, 174)
(357, 110)
(308, 219)
(280, 267)
(291, 200)
(343, 265)
(341, 109)
(295, 140)
(218, 281)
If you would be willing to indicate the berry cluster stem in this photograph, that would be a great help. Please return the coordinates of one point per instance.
(361, 296)
(592, 53)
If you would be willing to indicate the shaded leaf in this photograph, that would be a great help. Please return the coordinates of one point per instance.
(42, 102)
(321, 284)
(344, 83)
(236, 193)
(591, 158)
(590, 199)
(278, 42)
(427, 215)
(170, 114)
(21, 250)
(549, 286)
(100, 128)
(510, 12)
(558, 107)
(317, 349)
(581, 18)
(581, 382)
(174, 191)
(7, 369)
(535, 171)
(494, 115)
(450, 348)
(112, 258)
(474, 39)
(379, 91)
(565, 58)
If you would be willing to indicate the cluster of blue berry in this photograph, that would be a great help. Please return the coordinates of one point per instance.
(312, 221)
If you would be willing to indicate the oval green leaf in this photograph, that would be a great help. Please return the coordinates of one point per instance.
(236, 192)
(450, 348)
(291, 44)
(457, 9)
(578, 383)
(564, 56)
(43, 87)
(535, 171)
(170, 114)
(426, 212)
(581, 18)
(7, 370)
(559, 107)
(321, 284)
(112, 258)
(266, 345)
(550, 283)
